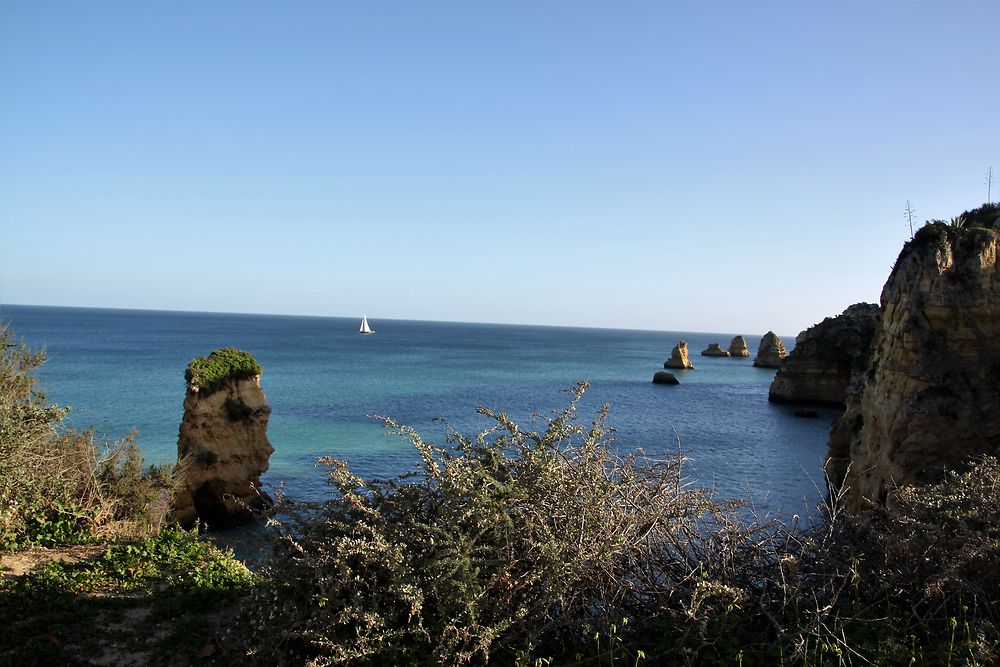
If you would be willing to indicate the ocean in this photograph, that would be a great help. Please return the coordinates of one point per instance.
(123, 370)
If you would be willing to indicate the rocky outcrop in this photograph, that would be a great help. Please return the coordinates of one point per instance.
(678, 357)
(663, 377)
(826, 357)
(714, 350)
(930, 399)
(770, 352)
(738, 347)
(222, 448)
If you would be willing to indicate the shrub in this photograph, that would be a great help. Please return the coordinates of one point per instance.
(508, 545)
(210, 373)
(55, 484)
(518, 546)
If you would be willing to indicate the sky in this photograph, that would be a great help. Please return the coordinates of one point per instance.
(684, 166)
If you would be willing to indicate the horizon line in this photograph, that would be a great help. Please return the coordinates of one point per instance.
(383, 319)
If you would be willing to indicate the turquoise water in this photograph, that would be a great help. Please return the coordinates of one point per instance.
(124, 369)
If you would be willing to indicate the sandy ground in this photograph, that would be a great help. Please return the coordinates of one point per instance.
(22, 562)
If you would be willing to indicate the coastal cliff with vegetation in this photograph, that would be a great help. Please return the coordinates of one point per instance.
(539, 543)
(930, 399)
(91, 571)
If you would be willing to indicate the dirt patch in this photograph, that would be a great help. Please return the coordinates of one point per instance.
(22, 562)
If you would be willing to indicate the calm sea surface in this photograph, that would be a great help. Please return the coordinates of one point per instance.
(124, 369)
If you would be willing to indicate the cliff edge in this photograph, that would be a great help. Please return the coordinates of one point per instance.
(826, 357)
(930, 398)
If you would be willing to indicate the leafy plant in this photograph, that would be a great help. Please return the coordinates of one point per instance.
(210, 373)
(56, 484)
(513, 542)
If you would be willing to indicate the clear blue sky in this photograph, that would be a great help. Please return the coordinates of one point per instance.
(710, 166)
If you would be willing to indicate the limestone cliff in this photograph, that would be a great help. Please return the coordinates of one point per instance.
(826, 357)
(678, 357)
(738, 347)
(770, 352)
(714, 350)
(222, 448)
(930, 400)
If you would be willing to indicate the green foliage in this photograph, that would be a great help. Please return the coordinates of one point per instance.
(987, 215)
(146, 585)
(56, 523)
(211, 373)
(56, 484)
(511, 543)
(524, 547)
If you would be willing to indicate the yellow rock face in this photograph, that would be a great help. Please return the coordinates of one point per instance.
(930, 400)
(738, 347)
(771, 352)
(678, 357)
(827, 358)
(222, 450)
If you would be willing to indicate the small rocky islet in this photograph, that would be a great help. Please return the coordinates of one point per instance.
(770, 355)
(222, 446)
(679, 357)
(916, 375)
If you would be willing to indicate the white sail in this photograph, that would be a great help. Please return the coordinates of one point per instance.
(365, 329)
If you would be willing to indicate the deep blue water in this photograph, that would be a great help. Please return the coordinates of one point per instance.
(124, 369)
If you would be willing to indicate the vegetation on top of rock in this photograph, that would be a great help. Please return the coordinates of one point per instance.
(987, 215)
(209, 374)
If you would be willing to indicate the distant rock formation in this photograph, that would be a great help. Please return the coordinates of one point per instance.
(826, 358)
(714, 350)
(930, 400)
(663, 377)
(738, 347)
(222, 448)
(678, 357)
(770, 353)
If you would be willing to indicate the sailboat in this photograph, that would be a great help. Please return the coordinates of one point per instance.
(365, 329)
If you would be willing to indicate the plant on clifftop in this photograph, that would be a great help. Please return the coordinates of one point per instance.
(210, 373)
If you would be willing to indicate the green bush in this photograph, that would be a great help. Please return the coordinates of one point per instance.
(524, 547)
(56, 484)
(210, 373)
(512, 543)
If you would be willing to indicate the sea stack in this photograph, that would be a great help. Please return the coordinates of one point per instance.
(714, 350)
(930, 399)
(222, 448)
(827, 357)
(738, 347)
(678, 357)
(770, 353)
